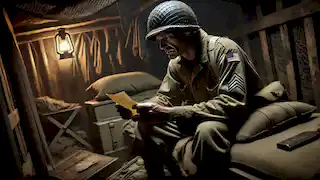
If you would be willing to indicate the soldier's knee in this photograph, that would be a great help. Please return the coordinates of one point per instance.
(210, 129)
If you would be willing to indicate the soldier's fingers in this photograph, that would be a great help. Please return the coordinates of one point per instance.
(136, 117)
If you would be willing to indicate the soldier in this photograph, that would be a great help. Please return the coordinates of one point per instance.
(205, 94)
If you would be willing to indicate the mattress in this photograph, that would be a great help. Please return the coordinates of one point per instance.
(263, 159)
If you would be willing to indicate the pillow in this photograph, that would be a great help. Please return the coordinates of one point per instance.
(273, 92)
(274, 118)
(130, 82)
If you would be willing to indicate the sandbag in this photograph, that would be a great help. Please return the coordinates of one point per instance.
(272, 118)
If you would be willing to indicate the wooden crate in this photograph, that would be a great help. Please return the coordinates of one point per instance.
(111, 134)
(101, 110)
(82, 165)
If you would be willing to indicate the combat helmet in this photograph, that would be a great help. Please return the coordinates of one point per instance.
(170, 15)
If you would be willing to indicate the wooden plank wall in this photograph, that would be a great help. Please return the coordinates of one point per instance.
(282, 43)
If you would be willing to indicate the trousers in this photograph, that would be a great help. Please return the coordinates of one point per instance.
(209, 150)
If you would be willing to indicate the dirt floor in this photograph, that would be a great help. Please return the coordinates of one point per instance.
(64, 147)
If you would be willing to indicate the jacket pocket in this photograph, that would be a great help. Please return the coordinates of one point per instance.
(185, 95)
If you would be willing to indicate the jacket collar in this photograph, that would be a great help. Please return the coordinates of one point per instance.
(205, 38)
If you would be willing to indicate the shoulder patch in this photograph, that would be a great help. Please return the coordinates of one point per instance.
(237, 84)
(233, 57)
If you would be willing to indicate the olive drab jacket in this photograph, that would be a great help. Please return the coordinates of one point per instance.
(218, 87)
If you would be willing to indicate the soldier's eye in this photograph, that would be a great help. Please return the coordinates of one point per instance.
(169, 36)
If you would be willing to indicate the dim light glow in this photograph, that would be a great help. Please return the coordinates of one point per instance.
(64, 44)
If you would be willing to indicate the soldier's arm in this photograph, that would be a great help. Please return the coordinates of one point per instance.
(169, 93)
(232, 90)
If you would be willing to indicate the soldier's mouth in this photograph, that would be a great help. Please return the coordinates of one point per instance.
(170, 52)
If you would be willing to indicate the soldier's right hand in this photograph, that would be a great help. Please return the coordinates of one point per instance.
(148, 112)
(124, 112)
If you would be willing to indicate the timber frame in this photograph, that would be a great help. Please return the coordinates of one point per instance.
(49, 29)
(18, 100)
(290, 72)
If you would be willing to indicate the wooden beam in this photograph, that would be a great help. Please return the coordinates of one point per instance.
(27, 167)
(291, 80)
(67, 26)
(34, 70)
(21, 139)
(11, 163)
(313, 58)
(52, 34)
(298, 11)
(34, 21)
(13, 63)
(14, 118)
(290, 67)
(266, 55)
(51, 26)
(265, 48)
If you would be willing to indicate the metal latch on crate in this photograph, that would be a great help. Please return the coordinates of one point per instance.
(115, 144)
(111, 125)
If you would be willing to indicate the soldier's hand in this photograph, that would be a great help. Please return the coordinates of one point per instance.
(124, 112)
(151, 112)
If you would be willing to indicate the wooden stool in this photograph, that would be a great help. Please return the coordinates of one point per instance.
(64, 128)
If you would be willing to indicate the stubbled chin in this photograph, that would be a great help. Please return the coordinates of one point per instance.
(172, 56)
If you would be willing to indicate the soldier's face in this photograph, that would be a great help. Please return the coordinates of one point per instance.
(168, 44)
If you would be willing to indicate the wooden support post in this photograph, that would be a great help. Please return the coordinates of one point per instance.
(313, 58)
(265, 48)
(12, 60)
(288, 57)
(34, 70)
(10, 161)
(13, 115)
(290, 68)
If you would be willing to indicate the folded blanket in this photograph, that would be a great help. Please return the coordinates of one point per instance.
(47, 104)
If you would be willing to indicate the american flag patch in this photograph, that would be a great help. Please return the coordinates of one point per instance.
(233, 57)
